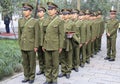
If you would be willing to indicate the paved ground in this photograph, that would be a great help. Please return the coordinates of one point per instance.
(99, 71)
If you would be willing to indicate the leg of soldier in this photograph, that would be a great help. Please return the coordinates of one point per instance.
(41, 59)
(108, 47)
(113, 46)
(83, 54)
(48, 66)
(77, 57)
(92, 49)
(63, 61)
(55, 63)
(88, 52)
(32, 59)
(95, 46)
(25, 64)
(69, 61)
(80, 55)
(99, 44)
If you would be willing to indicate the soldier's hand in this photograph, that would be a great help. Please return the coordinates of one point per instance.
(43, 49)
(80, 45)
(60, 50)
(108, 34)
(35, 49)
(86, 42)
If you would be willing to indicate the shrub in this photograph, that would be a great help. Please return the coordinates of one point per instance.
(10, 57)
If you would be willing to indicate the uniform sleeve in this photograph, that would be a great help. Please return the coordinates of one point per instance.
(61, 34)
(36, 34)
(76, 36)
(115, 28)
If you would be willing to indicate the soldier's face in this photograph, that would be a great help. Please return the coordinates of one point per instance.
(66, 17)
(74, 16)
(27, 13)
(40, 14)
(52, 12)
(112, 16)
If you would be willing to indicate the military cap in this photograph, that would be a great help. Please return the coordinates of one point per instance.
(113, 10)
(75, 11)
(87, 12)
(41, 8)
(51, 6)
(99, 12)
(95, 13)
(27, 6)
(81, 13)
(66, 11)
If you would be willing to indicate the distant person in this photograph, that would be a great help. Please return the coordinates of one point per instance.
(111, 32)
(7, 22)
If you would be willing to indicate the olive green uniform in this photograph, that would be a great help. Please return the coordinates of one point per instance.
(28, 40)
(98, 35)
(93, 35)
(53, 41)
(66, 55)
(88, 37)
(101, 32)
(41, 56)
(83, 33)
(112, 26)
(76, 43)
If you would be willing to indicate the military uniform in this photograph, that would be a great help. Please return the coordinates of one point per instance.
(88, 37)
(112, 26)
(83, 33)
(76, 42)
(28, 40)
(53, 41)
(41, 56)
(111, 31)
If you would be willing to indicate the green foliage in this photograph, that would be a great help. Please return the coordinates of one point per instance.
(10, 58)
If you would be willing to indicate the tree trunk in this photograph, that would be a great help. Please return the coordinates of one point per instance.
(78, 4)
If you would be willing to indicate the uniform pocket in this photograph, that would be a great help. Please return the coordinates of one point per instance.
(30, 28)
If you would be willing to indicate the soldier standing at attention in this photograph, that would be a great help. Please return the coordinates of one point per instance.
(28, 41)
(101, 28)
(53, 44)
(66, 55)
(111, 32)
(88, 36)
(76, 40)
(41, 57)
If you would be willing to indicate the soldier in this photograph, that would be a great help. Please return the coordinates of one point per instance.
(83, 40)
(66, 61)
(53, 44)
(28, 41)
(88, 36)
(111, 32)
(78, 25)
(41, 57)
(93, 32)
(76, 40)
(101, 22)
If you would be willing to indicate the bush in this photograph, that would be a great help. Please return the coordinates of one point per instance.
(10, 57)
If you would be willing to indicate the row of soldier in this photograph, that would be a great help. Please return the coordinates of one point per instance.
(69, 38)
